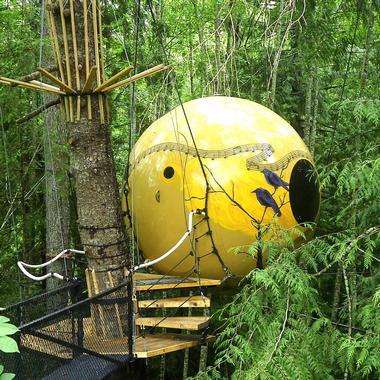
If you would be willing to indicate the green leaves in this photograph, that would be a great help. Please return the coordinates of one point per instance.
(7, 329)
(4, 375)
(8, 345)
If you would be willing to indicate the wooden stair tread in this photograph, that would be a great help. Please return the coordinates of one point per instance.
(149, 281)
(188, 323)
(161, 344)
(146, 346)
(193, 301)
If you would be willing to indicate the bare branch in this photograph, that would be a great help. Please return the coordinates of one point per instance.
(37, 111)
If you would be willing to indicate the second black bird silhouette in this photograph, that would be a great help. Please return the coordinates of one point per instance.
(265, 199)
(274, 180)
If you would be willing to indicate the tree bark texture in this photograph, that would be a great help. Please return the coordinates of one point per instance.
(56, 196)
(102, 230)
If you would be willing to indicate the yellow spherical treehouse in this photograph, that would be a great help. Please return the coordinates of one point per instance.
(238, 163)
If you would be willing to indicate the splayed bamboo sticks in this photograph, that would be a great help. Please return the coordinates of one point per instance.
(90, 80)
(97, 58)
(114, 79)
(75, 51)
(46, 85)
(67, 56)
(87, 56)
(79, 77)
(39, 86)
(143, 74)
(67, 108)
(63, 86)
(54, 40)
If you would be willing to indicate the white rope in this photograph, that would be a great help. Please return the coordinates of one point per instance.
(180, 241)
(23, 265)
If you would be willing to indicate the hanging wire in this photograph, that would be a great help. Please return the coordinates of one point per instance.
(345, 77)
(11, 209)
(132, 132)
(8, 192)
(47, 140)
(207, 184)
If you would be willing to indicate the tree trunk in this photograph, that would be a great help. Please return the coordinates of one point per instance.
(203, 73)
(204, 349)
(100, 220)
(368, 46)
(313, 132)
(338, 285)
(218, 67)
(56, 197)
(308, 112)
(283, 36)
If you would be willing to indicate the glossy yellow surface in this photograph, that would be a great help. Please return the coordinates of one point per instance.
(160, 206)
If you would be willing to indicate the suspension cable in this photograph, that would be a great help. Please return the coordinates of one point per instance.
(224, 267)
(350, 55)
(47, 142)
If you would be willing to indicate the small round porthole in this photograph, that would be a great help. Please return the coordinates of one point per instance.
(168, 172)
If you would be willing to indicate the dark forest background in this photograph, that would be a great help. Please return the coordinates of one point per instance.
(313, 313)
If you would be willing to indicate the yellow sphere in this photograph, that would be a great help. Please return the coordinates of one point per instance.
(248, 168)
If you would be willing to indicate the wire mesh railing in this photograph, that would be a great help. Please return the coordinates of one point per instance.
(64, 335)
(31, 309)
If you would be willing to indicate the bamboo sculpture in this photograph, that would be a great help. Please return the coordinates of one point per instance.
(79, 73)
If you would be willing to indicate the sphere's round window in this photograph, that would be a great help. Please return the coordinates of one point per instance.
(168, 172)
(304, 192)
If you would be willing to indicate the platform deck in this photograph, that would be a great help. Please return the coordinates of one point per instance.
(146, 346)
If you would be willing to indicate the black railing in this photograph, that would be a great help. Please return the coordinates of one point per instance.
(66, 336)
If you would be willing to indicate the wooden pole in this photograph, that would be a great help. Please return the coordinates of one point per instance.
(67, 58)
(63, 86)
(144, 74)
(88, 85)
(97, 58)
(39, 86)
(75, 53)
(54, 40)
(87, 57)
(114, 79)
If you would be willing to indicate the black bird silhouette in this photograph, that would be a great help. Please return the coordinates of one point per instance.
(274, 180)
(265, 199)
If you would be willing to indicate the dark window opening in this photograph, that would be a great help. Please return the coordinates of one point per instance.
(168, 172)
(304, 192)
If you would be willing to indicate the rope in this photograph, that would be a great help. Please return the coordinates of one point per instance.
(22, 265)
(177, 245)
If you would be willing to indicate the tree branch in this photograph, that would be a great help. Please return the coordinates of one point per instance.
(37, 111)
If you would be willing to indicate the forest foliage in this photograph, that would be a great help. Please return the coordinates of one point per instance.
(313, 312)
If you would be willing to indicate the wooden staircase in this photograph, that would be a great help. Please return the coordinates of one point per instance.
(153, 315)
(165, 312)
